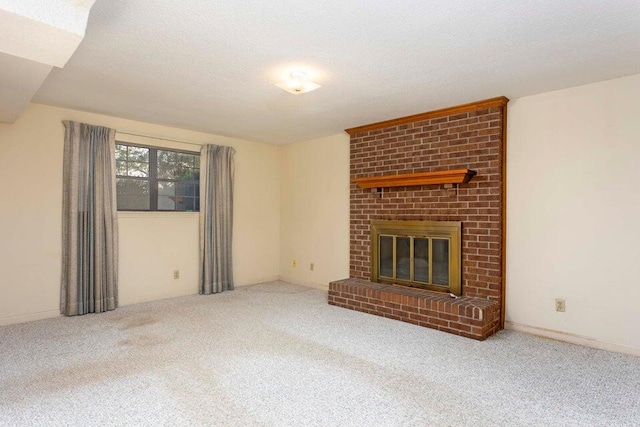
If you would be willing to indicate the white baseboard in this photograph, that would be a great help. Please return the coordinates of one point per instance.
(185, 291)
(572, 338)
(179, 292)
(175, 293)
(30, 317)
(321, 286)
(256, 281)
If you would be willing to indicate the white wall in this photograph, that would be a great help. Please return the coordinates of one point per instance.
(573, 214)
(314, 225)
(152, 244)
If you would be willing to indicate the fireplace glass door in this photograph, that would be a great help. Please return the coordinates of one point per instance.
(424, 254)
(416, 259)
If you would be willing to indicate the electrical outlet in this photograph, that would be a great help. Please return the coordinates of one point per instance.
(176, 274)
(560, 305)
(293, 263)
(311, 267)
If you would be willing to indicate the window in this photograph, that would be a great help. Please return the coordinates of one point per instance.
(157, 179)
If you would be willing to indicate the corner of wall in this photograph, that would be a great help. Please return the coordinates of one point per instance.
(314, 221)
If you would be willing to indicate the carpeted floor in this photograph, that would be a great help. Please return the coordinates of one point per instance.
(277, 354)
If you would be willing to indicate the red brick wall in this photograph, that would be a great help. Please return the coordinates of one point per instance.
(472, 140)
(470, 317)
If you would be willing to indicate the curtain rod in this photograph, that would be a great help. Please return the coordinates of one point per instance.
(159, 137)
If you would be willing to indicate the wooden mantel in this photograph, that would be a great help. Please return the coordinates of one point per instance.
(453, 176)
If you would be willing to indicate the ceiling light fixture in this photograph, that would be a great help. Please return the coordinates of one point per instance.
(297, 83)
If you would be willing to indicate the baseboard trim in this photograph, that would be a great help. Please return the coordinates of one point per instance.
(30, 317)
(183, 292)
(320, 286)
(176, 293)
(572, 338)
(256, 281)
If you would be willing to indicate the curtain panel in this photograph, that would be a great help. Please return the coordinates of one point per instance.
(89, 221)
(216, 218)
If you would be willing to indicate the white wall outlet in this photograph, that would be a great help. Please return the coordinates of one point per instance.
(176, 274)
(560, 305)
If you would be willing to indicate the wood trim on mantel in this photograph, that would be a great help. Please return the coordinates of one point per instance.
(453, 176)
(500, 101)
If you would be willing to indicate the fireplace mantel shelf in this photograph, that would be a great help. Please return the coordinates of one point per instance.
(452, 176)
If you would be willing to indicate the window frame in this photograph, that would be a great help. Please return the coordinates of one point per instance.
(152, 177)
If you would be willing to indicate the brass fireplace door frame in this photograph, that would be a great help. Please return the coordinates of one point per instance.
(451, 230)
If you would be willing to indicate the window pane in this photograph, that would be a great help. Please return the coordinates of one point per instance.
(403, 261)
(185, 160)
(166, 170)
(186, 204)
(193, 174)
(121, 152)
(132, 194)
(421, 260)
(138, 169)
(165, 156)
(166, 196)
(178, 166)
(187, 189)
(183, 172)
(385, 251)
(138, 154)
(121, 167)
(440, 261)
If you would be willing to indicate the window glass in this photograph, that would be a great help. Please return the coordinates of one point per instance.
(421, 259)
(385, 263)
(133, 194)
(153, 179)
(440, 261)
(403, 258)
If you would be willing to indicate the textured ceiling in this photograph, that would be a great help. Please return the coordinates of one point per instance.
(35, 36)
(211, 66)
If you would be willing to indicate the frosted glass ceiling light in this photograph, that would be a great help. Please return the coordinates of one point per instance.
(298, 83)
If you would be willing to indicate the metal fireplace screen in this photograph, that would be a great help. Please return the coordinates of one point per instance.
(424, 254)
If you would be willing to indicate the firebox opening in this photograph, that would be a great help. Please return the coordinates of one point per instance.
(424, 254)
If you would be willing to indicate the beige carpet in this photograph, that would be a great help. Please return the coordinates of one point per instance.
(277, 354)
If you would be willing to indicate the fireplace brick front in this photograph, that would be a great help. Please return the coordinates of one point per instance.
(475, 318)
(472, 139)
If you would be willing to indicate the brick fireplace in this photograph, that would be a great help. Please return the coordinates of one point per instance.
(470, 137)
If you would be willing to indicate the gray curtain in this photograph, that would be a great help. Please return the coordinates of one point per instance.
(216, 218)
(89, 222)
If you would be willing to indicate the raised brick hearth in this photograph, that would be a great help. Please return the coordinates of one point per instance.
(470, 317)
(471, 137)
